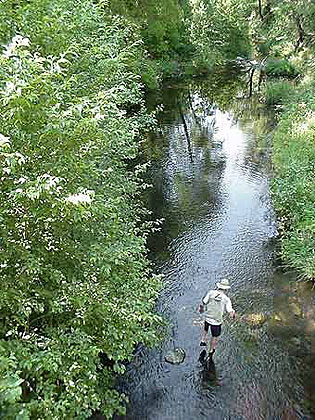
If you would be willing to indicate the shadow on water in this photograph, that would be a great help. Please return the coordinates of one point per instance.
(210, 173)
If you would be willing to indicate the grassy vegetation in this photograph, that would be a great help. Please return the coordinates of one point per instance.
(282, 35)
(294, 183)
(278, 92)
(281, 67)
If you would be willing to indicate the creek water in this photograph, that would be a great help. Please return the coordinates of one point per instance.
(210, 171)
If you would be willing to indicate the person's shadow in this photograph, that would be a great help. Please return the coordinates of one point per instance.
(208, 374)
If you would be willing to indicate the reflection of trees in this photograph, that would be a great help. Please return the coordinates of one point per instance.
(255, 119)
(228, 91)
(187, 163)
(222, 88)
(187, 166)
(181, 113)
(251, 116)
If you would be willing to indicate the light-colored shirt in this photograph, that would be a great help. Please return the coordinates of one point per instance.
(216, 303)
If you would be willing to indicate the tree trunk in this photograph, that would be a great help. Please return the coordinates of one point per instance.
(300, 30)
(262, 76)
(260, 10)
(251, 75)
(186, 132)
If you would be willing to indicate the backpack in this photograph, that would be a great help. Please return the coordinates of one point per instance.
(214, 308)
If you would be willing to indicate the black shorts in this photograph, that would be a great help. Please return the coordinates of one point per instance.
(215, 329)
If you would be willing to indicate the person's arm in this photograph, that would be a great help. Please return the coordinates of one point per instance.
(232, 314)
(201, 308)
(229, 308)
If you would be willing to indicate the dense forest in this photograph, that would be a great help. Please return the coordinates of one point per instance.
(77, 289)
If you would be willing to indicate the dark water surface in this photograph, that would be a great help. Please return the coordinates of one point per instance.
(210, 173)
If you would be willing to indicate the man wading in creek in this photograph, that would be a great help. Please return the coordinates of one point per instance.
(213, 305)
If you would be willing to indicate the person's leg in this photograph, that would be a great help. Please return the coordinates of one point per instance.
(205, 329)
(213, 344)
(215, 332)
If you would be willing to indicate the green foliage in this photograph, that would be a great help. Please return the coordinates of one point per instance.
(281, 67)
(216, 35)
(284, 27)
(188, 37)
(150, 74)
(293, 186)
(161, 23)
(282, 33)
(279, 91)
(75, 280)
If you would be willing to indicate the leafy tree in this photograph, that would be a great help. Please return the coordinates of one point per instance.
(75, 280)
(217, 35)
(161, 23)
(285, 26)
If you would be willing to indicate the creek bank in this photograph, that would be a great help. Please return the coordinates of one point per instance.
(293, 186)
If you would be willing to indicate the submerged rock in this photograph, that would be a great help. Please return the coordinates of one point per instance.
(296, 341)
(256, 320)
(175, 356)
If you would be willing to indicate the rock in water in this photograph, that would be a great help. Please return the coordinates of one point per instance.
(255, 320)
(175, 356)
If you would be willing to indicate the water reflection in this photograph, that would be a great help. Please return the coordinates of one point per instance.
(210, 171)
(187, 171)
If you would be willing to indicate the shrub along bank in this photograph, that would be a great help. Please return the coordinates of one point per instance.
(75, 281)
(187, 38)
(294, 183)
(283, 34)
